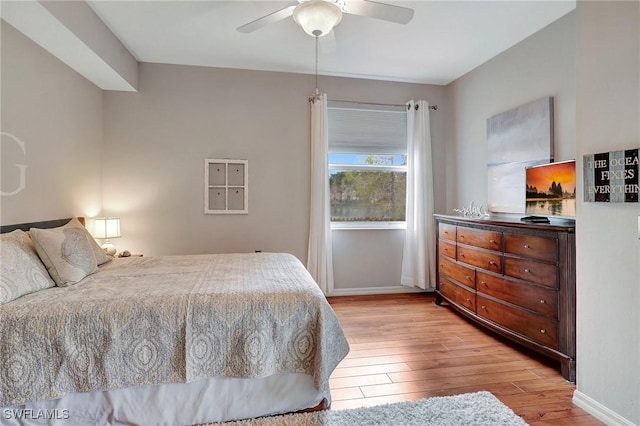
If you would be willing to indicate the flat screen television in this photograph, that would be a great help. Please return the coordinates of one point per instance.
(551, 190)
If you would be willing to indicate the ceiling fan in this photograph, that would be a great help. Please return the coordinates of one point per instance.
(318, 17)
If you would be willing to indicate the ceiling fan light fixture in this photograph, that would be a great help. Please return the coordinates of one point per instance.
(317, 17)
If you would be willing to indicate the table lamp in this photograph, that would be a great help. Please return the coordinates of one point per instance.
(106, 228)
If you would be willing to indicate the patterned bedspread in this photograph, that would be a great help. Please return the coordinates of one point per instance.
(176, 319)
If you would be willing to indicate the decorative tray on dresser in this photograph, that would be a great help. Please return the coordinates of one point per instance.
(515, 278)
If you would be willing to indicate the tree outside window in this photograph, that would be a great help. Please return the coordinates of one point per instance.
(367, 188)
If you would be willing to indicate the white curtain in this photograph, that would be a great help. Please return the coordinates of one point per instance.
(320, 260)
(418, 257)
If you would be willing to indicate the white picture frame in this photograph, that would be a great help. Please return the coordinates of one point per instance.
(226, 189)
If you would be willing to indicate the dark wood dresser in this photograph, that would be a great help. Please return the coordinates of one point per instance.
(515, 278)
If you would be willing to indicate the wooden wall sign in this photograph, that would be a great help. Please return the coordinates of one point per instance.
(612, 177)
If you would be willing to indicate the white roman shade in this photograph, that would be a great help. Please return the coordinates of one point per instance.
(367, 128)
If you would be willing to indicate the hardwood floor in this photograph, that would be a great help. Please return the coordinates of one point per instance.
(405, 347)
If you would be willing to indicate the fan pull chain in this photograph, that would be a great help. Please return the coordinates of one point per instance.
(316, 93)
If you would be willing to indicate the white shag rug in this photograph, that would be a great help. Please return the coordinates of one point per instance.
(479, 409)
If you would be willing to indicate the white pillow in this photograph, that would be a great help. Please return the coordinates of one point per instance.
(66, 252)
(98, 252)
(21, 270)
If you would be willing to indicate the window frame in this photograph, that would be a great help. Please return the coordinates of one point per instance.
(358, 119)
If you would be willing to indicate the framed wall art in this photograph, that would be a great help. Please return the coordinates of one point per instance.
(226, 188)
(517, 139)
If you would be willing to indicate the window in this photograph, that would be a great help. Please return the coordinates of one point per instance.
(367, 164)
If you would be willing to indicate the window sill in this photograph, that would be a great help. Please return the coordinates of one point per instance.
(366, 226)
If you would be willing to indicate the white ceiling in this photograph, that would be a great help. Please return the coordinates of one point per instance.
(445, 39)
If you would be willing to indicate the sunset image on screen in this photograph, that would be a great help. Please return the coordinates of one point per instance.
(551, 189)
(543, 177)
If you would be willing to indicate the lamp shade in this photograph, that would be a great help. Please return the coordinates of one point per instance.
(317, 17)
(106, 227)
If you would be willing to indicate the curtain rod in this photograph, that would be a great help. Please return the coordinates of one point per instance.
(433, 107)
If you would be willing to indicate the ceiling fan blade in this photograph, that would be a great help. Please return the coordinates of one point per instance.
(266, 20)
(386, 12)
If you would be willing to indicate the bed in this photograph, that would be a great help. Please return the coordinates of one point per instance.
(163, 340)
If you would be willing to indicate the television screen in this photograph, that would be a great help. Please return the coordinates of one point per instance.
(551, 189)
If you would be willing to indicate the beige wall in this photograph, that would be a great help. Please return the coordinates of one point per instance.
(540, 66)
(57, 115)
(589, 61)
(156, 141)
(367, 261)
(608, 248)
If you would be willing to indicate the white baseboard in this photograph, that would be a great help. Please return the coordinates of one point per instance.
(375, 290)
(599, 411)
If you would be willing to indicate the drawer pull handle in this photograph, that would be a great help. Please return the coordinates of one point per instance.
(484, 307)
(468, 300)
(492, 241)
(484, 283)
(527, 246)
(543, 331)
(461, 254)
(543, 301)
(491, 262)
(468, 277)
(527, 270)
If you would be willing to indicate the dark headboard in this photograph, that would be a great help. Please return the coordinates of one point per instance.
(43, 225)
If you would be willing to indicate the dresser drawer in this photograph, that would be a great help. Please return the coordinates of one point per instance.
(482, 259)
(447, 232)
(457, 294)
(447, 248)
(532, 247)
(538, 299)
(530, 270)
(462, 274)
(489, 240)
(537, 328)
